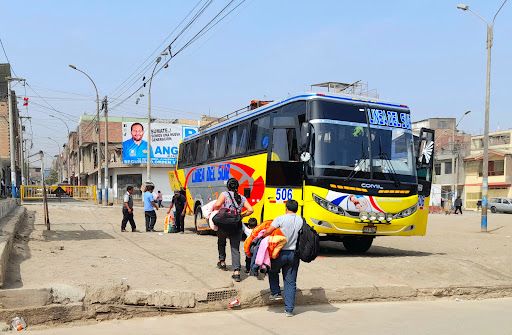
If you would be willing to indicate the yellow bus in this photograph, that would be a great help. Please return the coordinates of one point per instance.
(351, 164)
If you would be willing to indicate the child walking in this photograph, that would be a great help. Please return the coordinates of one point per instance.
(248, 227)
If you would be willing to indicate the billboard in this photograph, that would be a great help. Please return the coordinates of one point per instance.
(165, 138)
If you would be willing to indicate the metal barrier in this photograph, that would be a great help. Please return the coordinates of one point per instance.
(76, 192)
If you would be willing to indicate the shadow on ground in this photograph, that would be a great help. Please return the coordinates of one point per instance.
(20, 252)
(336, 249)
(75, 235)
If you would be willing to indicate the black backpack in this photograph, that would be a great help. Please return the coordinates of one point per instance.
(228, 219)
(308, 243)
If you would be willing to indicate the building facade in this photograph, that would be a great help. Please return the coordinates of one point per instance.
(451, 146)
(500, 168)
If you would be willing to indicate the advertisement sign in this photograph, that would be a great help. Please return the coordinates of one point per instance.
(165, 138)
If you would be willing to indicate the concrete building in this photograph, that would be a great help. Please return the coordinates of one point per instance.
(451, 146)
(500, 167)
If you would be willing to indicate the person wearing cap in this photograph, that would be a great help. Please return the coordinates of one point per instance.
(180, 202)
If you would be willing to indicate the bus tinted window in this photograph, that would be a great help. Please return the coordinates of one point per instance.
(284, 145)
(206, 149)
(212, 148)
(232, 141)
(192, 152)
(259, 133)
(244, 138)
(180, 154)
(337, 111)
(221, 149)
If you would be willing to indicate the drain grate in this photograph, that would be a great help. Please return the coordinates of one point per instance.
(221, 295)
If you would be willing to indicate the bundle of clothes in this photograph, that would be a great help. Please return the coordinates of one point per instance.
(261, 250)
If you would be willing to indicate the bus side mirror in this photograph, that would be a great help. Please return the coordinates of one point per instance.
(304, 136)
(425, 149)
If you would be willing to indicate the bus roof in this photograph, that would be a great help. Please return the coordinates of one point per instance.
(299, 97)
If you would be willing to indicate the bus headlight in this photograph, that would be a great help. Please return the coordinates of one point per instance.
(406, 212)
(381, 216)
(389, 217)
(363, 216)
(328, 205)
(372, 216)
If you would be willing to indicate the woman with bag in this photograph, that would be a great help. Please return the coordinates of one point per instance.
(230, 225)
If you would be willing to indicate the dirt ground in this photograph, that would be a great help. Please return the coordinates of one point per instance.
(86, 246)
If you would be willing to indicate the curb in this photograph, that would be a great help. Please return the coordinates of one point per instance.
(9, 226)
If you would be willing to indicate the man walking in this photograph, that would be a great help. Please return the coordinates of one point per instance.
(149, 208)
(290, 224)
(128, 210)
(179, 201)
(458, 205)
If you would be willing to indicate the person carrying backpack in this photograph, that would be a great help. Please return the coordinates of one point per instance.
(290, 224)
(234, 201)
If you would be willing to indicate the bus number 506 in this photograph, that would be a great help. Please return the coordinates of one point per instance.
(284, 194)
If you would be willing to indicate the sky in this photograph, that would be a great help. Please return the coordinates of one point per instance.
(425, 54)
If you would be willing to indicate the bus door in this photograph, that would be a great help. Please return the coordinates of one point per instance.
(284, 169)
(424, 167)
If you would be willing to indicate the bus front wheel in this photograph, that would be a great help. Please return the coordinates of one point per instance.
(357, 244)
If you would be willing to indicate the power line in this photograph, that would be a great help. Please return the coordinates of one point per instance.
(156, 50)
(192, 40)
(8, 61)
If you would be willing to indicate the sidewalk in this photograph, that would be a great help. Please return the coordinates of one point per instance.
(86, 248)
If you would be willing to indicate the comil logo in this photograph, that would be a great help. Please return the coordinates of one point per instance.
(372, 186)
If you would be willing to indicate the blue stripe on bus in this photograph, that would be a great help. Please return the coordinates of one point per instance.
(285, 101)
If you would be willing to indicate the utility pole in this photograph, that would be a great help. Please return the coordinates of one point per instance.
(105, 111)
(22, 152)
(12, 144)
(45, 199)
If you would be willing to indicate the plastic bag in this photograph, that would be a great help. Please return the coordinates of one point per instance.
(170, 224)
(208, 209)
(212, 225)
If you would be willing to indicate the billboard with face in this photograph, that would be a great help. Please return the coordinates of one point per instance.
(165, 138)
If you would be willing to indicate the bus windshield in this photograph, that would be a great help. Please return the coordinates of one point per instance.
(342, 149)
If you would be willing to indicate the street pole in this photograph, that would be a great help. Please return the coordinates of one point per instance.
(12, 145)
(22, 153)
(148, 164)
(485, 168)
(45, 200)
(98, 148)
(105, 111)
(453, 165)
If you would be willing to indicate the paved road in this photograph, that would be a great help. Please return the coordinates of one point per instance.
(406, 317)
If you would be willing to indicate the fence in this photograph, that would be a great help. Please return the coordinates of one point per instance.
(75, 192)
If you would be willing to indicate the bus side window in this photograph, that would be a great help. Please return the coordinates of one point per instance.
(232, 141)
(259, 133)
(200, 149)
(221, 149)
(284, 145)
(212, 149)
(181, 154)
(192, 153)
(244, 138)
(206, 149)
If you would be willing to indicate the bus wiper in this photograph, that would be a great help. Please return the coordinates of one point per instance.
(384, 155)
(357, 168)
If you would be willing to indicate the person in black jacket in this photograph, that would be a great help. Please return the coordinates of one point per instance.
(458, 205)
(179, 202)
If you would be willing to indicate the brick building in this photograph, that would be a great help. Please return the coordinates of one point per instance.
(5, 161)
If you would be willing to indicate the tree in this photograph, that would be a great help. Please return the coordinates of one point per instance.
(52, 177)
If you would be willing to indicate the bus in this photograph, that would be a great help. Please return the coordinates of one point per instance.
(350, 162)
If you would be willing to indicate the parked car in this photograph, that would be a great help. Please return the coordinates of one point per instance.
(500, 205)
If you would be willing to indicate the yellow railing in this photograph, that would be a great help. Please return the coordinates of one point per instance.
(76, 192)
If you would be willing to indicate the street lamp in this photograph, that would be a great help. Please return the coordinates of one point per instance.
(98, 154)
(69, 152)
(148, 164)
(485, 174)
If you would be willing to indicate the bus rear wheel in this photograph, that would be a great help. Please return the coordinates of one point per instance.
(198, 216)
(357, 244)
